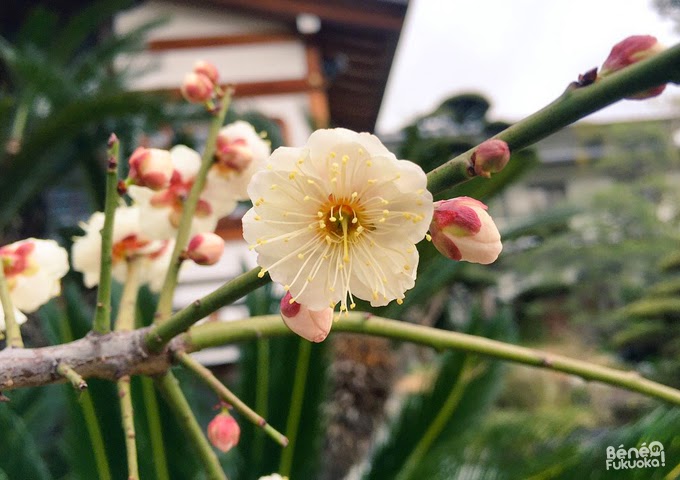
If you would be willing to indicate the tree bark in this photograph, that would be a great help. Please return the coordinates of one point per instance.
(108, 357)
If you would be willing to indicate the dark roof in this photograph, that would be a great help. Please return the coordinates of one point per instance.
(358, 39)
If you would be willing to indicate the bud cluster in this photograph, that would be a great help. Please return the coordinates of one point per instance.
(201, 84)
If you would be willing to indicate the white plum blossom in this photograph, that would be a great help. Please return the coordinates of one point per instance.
(33, 269)
(161, 210)
(338, 219)
(239, 153)
(129, 241)
(273, 476)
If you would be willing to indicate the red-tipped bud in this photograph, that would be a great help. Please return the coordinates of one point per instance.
(461, 229)
(233, 154)
(197, 88)
(208, 69)
(205, 248)
(224, 432)
(151, 167)
(490, 157)
(309, 324)
(629, 51)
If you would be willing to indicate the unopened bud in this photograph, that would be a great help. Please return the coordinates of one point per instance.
(208, 69)
(491, 156)
(461, 229)
(197, 88)
(234, 154)
(151, 167)
(309, 324)
(629, 51)
(224, 432)
(205, 248)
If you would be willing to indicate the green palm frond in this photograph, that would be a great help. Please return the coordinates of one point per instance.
(462, 391)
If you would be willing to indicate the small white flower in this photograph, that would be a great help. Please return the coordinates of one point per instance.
(129, 241)
(273, 476)
(33, 269)
(161, 210)
(339, 218)
(239, 153)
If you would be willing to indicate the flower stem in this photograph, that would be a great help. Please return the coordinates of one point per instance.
(153, 420)
(228, 396)
(295, 410)
(169, 387)
(188, 210)
(72, 376)
(213, 334)
(127, 414)
(125, 321)
(11, 326)
(90, 416)
(572, 105)
(467, 374)
(95, 433)
(161, 333)
(102, 317)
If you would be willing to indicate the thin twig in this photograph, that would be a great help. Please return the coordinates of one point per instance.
(228, 396)
(169, 387)
(72, 376)
(188, 209)
(102, 318)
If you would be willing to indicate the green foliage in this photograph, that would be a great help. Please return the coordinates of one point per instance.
(267, 373)
(63, 101)
(467, 384)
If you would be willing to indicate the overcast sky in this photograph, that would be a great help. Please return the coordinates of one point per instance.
(520, 54)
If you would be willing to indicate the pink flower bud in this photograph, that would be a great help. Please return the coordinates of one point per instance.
(235, 154)
(629, 51)
(151, 167)
(205, 248)
(309, 324)
(462, 230)
(208, 69)
(491, 156)
(224, 432)
(197, 88)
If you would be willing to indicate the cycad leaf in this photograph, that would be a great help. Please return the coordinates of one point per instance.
(259, 454)
(420, 412)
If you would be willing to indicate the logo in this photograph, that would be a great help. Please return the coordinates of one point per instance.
(644, 457)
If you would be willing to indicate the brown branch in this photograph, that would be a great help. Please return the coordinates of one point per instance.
(108, 357)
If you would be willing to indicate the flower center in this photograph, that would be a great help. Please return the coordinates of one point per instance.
(341, 221)
(127, 247)
(17, 261)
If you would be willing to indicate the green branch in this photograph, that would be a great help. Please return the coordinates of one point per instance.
(188, 210)
(160, 334)
(228, 396)
(572, 105)
(153, 421)
(169, 387)
(125, 321)
(72, 376)
(217, 333)
(102, 317)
